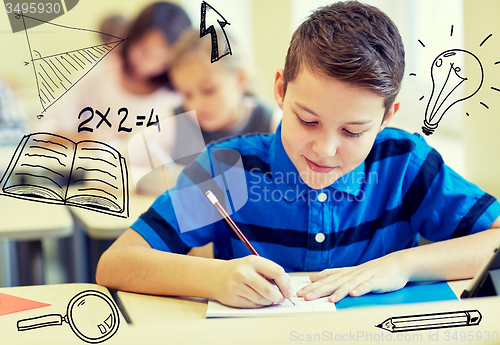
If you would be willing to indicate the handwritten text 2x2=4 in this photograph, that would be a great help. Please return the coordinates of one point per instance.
(84, 126)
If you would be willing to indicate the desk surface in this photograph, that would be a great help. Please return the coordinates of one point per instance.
(29, 220)
(103, 227)
(170, 320)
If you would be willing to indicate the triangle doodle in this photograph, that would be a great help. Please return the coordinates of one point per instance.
(56, 73)
(11, 304)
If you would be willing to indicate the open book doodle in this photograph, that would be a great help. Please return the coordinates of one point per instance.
(217, 309)
(53, 169)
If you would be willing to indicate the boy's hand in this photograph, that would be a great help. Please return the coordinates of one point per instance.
(242, 283)
(380, 275)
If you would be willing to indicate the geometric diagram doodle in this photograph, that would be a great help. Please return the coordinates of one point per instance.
(56, 73)
(92, 316)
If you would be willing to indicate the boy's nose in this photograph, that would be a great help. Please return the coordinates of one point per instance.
(325, 146)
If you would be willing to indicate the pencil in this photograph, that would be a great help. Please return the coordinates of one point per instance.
(431, 321)
(232, 225)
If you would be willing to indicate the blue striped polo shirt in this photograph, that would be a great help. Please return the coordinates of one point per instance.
(402, 190)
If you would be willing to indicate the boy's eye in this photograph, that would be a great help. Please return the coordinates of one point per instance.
(306, 123)
(353, 134)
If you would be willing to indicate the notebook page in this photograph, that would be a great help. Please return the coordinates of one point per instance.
(216, 309)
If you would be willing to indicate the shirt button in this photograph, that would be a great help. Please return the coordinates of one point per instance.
(322, 197)
(320, 237)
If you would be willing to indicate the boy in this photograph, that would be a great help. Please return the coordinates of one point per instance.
(331, 191)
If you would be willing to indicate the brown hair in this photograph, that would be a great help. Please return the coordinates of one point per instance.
(351, 42)
(169, 18)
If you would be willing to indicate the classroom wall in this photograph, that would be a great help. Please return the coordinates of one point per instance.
(271, 24)
(87, 14)
(482, 139)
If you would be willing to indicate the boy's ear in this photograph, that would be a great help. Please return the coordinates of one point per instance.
(243, 78)
(390, 114)
(279, 88)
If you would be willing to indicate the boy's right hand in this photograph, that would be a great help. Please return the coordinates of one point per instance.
(244, 283)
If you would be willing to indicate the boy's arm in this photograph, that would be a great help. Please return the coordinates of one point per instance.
(130, 264)
(458, 258)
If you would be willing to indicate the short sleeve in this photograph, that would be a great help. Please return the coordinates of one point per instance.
(183, 217)
(439, 203)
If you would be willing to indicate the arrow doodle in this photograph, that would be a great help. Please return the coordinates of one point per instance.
(211, 30)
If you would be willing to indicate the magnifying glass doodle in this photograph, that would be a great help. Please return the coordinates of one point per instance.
(92, 316)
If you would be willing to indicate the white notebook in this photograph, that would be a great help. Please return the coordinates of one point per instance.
(216, 309)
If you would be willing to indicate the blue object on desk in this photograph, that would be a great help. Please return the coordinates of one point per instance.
(411, 293)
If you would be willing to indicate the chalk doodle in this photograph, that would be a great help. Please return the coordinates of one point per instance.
(448, 84)
(56, 73)
(204, 30)
(52, 169)
(123, 112)
(424, 322)
(91, 315)
(451, 84)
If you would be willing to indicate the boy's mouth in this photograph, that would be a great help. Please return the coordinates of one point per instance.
(322, 169)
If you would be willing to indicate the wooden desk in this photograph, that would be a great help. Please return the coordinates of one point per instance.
(101, 226)
(147, 309)
(181, 321)
(58, 296)
(24, 220)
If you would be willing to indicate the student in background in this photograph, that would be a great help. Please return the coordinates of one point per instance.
(220, 93)
(13, 121)
(131, 83)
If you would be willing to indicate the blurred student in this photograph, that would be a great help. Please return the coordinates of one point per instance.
(126, 85)
(220, 94)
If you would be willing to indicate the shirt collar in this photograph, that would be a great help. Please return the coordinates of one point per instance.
(287, 179)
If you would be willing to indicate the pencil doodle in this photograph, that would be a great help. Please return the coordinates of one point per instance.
(52, 169)
(91, 315)
(56, 73)
(451, 83)
(204, 30)
(423, 322)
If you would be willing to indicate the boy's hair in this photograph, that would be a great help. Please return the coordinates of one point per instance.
(351, 42)
(170, 19)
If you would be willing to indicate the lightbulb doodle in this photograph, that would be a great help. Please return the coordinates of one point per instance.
(451, 84)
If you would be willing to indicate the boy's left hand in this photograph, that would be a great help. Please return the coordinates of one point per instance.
(380, 275)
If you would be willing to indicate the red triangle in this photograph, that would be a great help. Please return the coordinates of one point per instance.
(12, 304)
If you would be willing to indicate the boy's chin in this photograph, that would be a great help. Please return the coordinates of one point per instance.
(319, 181)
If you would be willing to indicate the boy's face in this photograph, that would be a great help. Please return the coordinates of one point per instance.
(328, 126)
(213, 92)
